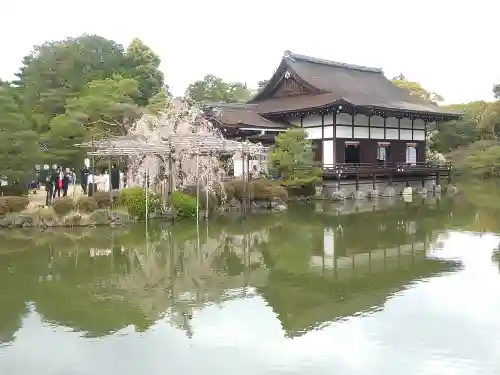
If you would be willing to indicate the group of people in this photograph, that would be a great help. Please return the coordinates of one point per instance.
(58, 181)
(91, 183)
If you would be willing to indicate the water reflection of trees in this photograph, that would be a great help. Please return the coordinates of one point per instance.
(99, 281)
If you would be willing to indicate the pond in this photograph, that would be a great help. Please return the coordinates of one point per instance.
(391, 288)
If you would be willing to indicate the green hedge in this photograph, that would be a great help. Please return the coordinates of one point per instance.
(184, 204)
(86, 204)
(256, 190)
(63, 206)
(134, 198)
(13, 204)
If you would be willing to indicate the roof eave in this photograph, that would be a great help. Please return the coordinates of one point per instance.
(323, 106)
(446, 115)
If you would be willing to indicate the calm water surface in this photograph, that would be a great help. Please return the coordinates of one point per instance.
(396, 288)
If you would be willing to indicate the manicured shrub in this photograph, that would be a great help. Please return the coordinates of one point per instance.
(134, 199)
(124, 194)
(279, 192)
(260, 190)
(304, 187)
(307, 190)
(235, 189)
(14, 190)
(183, 204)
(86, 204)
(213, 197)
(16, 204)
(4, 207)
(63, 206)
(45, 214)
(103, 199)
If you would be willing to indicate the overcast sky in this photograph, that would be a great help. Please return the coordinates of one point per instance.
(446, 45)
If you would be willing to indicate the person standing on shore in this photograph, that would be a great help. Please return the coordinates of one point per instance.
(66, 178)
(84, 179)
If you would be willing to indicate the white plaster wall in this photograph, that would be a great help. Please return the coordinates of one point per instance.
(312, 120)
(361, 132)
(419, 135)
(328, 152)
(314, 133)
(344, 119)
(328, 132)
(344, 131)
(377, 133)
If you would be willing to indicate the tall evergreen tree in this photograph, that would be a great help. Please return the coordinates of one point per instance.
(143, 66)
(19, 147)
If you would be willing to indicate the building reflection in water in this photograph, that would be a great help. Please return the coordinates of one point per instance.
(312, 266)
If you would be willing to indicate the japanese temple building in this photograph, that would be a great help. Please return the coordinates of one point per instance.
(353, 114)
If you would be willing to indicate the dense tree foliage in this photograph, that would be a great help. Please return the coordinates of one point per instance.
(292, 157)
(416, 89)
(143, 66)
(18, 142)
(85, 87)
(458, 133)
(214, 89)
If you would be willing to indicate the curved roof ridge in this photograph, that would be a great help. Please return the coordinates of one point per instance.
(295, 56)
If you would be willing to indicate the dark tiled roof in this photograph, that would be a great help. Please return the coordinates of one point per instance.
(243, 115)
(295, 102)
(358, 85)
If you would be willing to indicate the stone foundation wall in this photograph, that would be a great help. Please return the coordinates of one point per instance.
(349, 187)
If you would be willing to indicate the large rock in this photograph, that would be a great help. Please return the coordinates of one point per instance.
(99, 217)
(261, 205)
(421, 191)
(337, 196)
(278, 205)
(120, 218)
(6, 221)
(16, 220)
(72, 220)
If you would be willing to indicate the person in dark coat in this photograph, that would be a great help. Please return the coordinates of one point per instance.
(84, 179)
(115, 178)
(65, 182)
(49, 187)
(55, 179)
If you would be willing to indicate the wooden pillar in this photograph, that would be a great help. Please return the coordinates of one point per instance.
(109, 181)
(243, 176)
(374, 182)
(390, 177)
(438, 178)
(248, 182)
(423, 182)
(170, 179)
(357, 177)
